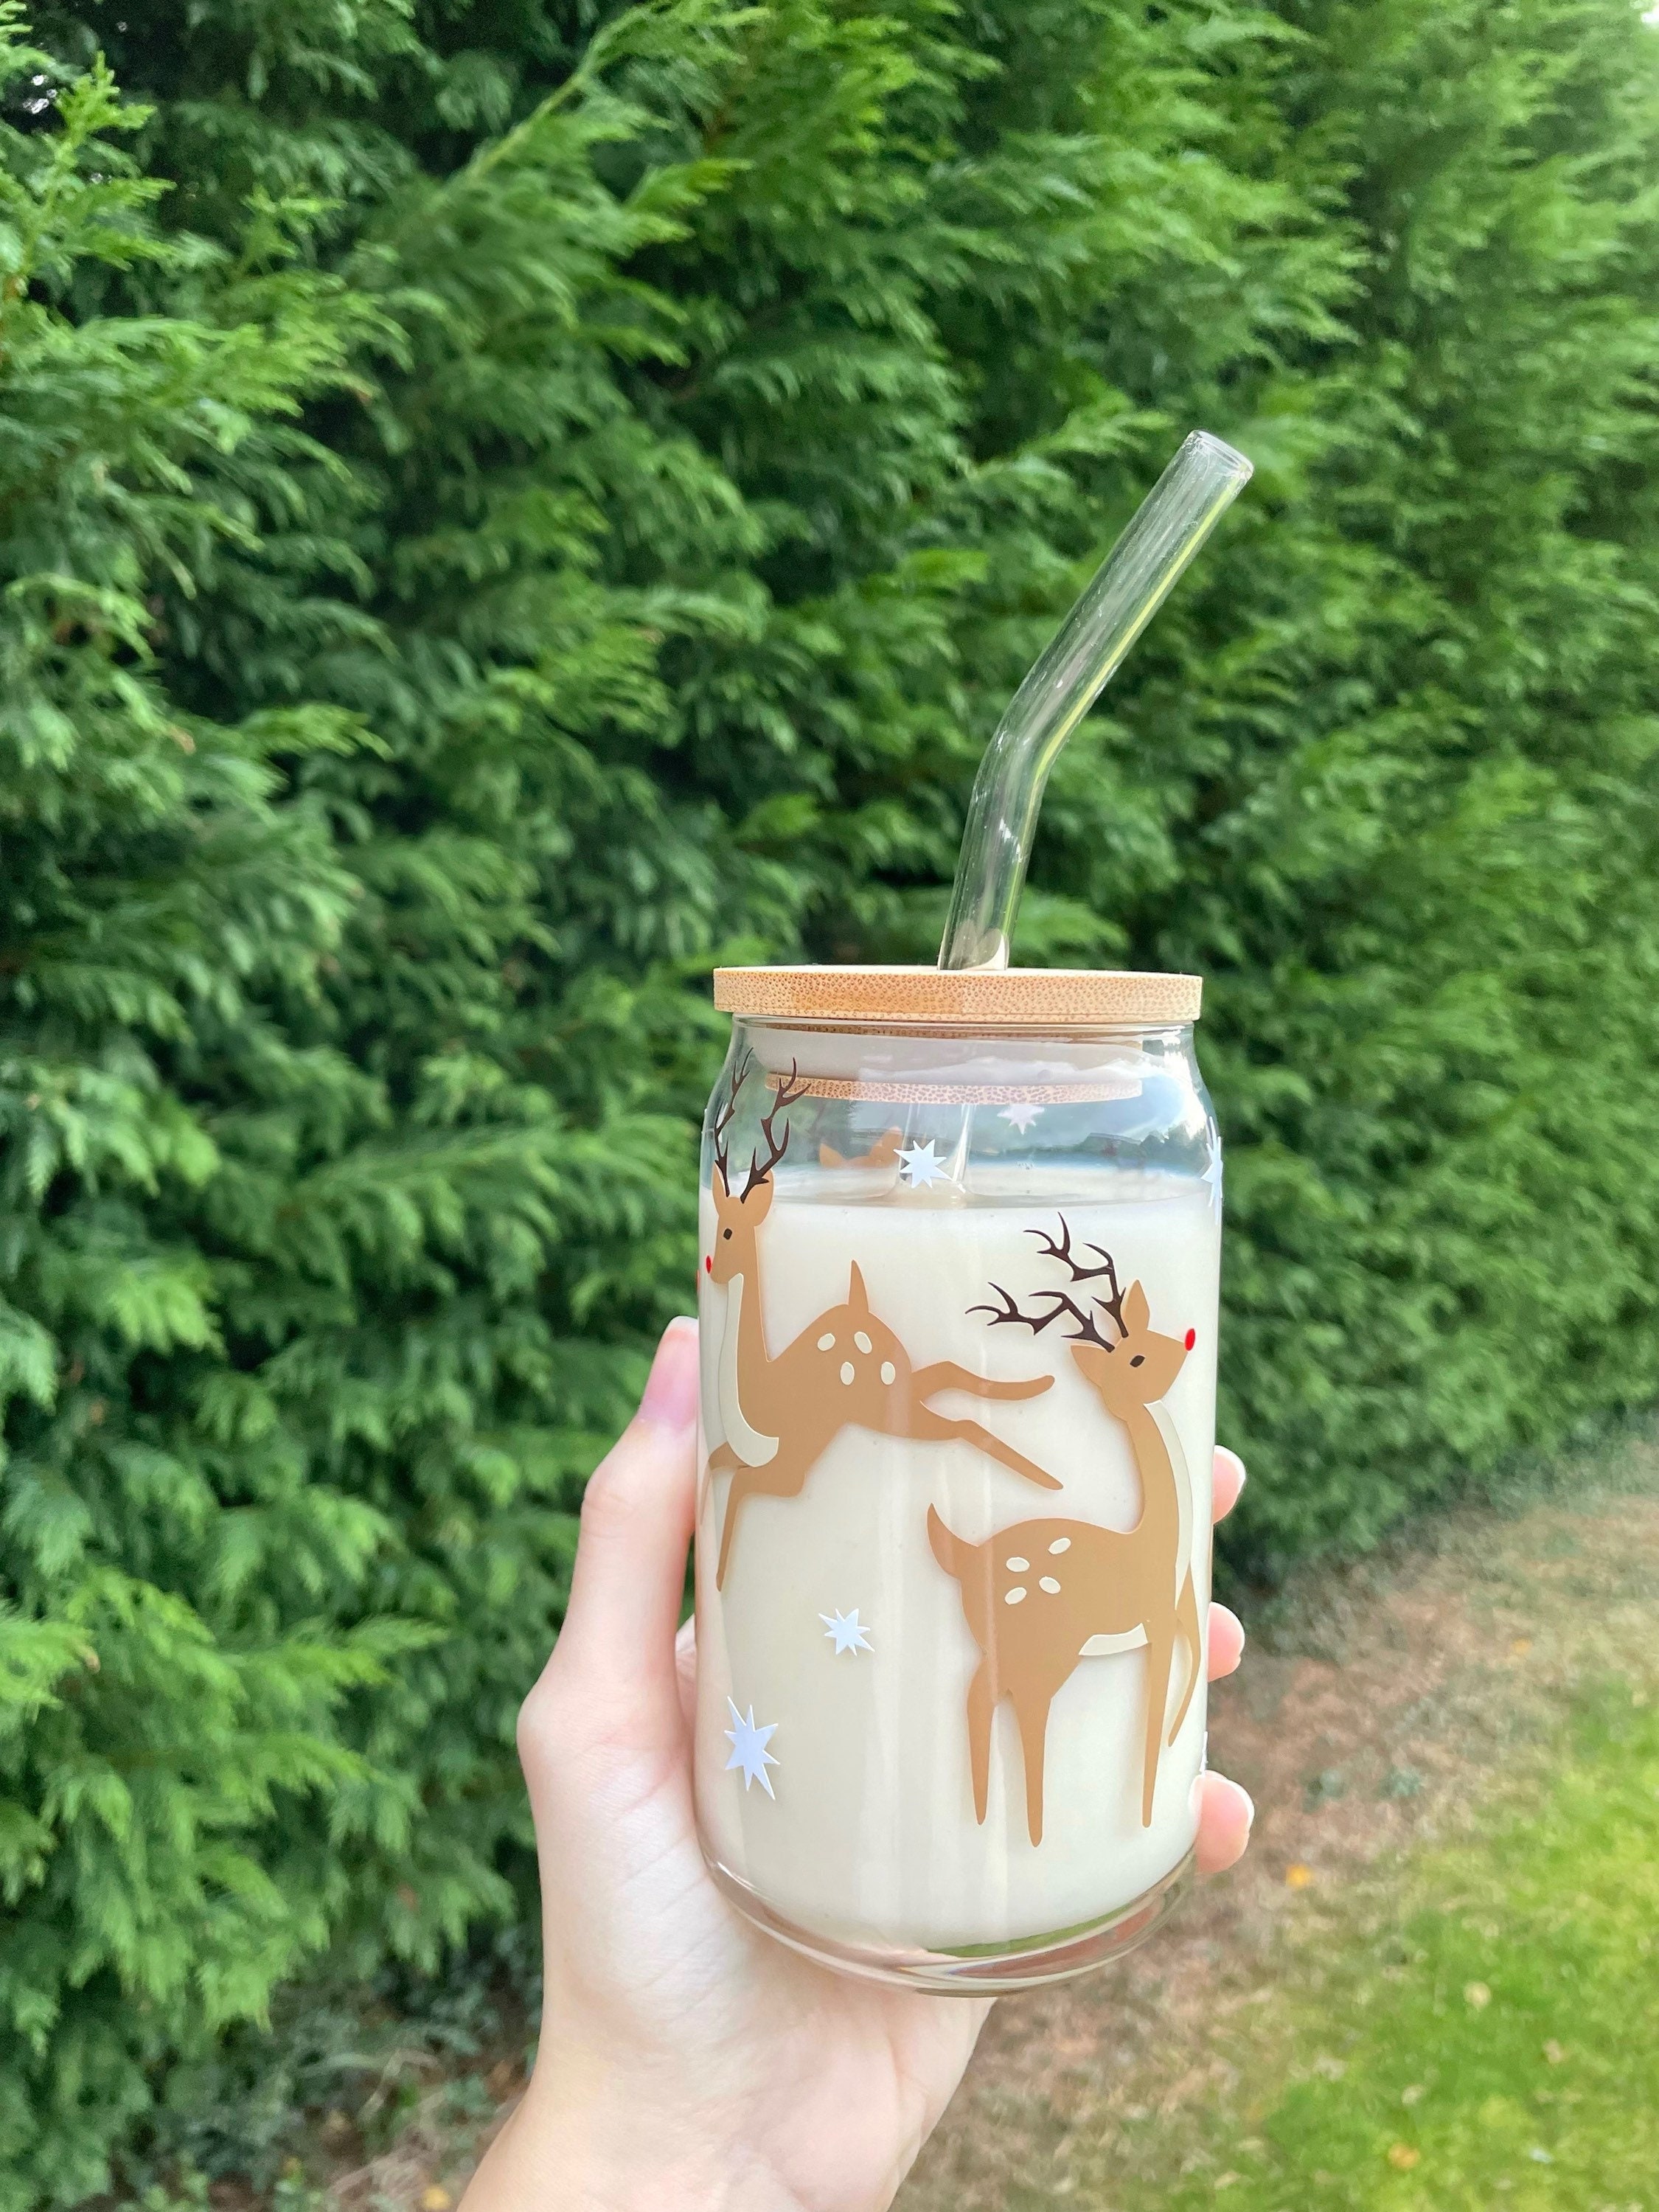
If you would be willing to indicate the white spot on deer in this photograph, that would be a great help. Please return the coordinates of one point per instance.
(847, 1371)
(826, 1344)
(862, 1340)
(888, 1372)
(1049, 1584)
(1016, 1567)
(1061, 1544)
(1014, 1596)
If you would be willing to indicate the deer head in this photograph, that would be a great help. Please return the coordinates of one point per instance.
(1131, 1368)
(739, 1213)
(1141, 1367)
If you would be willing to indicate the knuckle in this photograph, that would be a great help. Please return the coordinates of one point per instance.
(531, 1730)
(543, 1718)
(571, 1713)
(609, 1502)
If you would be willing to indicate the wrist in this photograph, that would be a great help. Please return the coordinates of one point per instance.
(572, 2146)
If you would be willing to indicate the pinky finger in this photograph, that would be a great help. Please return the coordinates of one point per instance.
(1224, 1814)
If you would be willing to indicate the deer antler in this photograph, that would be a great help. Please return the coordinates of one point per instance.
(1087, 1328)
(1061, 1302)
(723, 1119)
(789, 1091)
(1112, 1306)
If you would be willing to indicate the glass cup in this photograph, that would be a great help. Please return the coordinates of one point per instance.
(960, 1243)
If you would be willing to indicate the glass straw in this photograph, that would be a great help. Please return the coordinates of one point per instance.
(1128, 588)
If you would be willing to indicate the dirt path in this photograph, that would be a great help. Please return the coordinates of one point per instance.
(1375, 1706)
(1395, 1691)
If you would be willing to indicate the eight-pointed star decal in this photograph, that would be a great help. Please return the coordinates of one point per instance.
(922, 1165)
(749, 1750)
(846, 1629)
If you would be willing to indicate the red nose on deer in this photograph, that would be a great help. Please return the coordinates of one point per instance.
(1035, 1594)
(845, 1370)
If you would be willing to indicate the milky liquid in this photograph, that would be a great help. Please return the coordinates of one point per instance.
(870, 1835)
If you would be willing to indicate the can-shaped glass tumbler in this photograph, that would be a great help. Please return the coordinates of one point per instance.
(960, 1253)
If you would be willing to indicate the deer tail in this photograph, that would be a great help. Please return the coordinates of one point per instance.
(952, 1551)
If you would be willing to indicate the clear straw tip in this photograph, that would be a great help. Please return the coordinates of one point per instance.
(1127, 589)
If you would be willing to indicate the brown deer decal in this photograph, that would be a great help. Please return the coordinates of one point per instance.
(1036, 1594)
(845, 1370)
(884, 1153)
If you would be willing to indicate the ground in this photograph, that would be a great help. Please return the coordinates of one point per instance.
(1431, 1985)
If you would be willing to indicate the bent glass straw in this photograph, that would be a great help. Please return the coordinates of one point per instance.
(1128, 588)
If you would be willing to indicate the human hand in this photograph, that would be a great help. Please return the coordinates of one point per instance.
(687, 2060)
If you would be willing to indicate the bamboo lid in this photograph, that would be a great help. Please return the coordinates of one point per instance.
(1005, 998)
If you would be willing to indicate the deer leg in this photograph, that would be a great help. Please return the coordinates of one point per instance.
(723, 1460)
(1031, 1712)
(1160, 1649)
(928, 1427)
(945, 1374)
(743, 1480)
(1193, 1636)
(781, 1476)
(982, 1711)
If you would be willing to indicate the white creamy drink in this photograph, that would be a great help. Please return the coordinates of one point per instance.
(936, 1690)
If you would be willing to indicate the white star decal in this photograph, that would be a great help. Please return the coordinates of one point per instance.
(1021, 1117)
(748, 1749)
(1213, 1176)
(849, 1634)
(922, 1165)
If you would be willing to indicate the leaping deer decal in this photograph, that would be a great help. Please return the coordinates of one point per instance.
(1037, 1594)
(845, 1370)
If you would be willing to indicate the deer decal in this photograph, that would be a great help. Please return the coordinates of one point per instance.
(845, 1370)
(884, 1153)
(1039, 1595)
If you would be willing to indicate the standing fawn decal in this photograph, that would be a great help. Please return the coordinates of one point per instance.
(845, 1370)
(1035, 1594)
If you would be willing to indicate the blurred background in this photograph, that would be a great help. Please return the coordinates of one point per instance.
(505, 503)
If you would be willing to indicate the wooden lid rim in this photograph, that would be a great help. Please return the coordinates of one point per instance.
(1016, 998)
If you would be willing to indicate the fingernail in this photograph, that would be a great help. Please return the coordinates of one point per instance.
(1250, 1804)
(671, 1391)
(1243, 1472)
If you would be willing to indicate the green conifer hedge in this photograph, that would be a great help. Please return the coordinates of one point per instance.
(507, 501)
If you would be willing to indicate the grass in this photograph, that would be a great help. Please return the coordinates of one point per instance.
(1498, 2044)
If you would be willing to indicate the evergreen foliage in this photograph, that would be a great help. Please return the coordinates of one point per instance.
(509, 501)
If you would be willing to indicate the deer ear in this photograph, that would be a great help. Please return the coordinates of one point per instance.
(757, 1201)
(857, 1296)
(1136, 1312)
(1089, 1360)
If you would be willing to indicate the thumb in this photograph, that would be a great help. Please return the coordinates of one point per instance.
(617, 1647)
